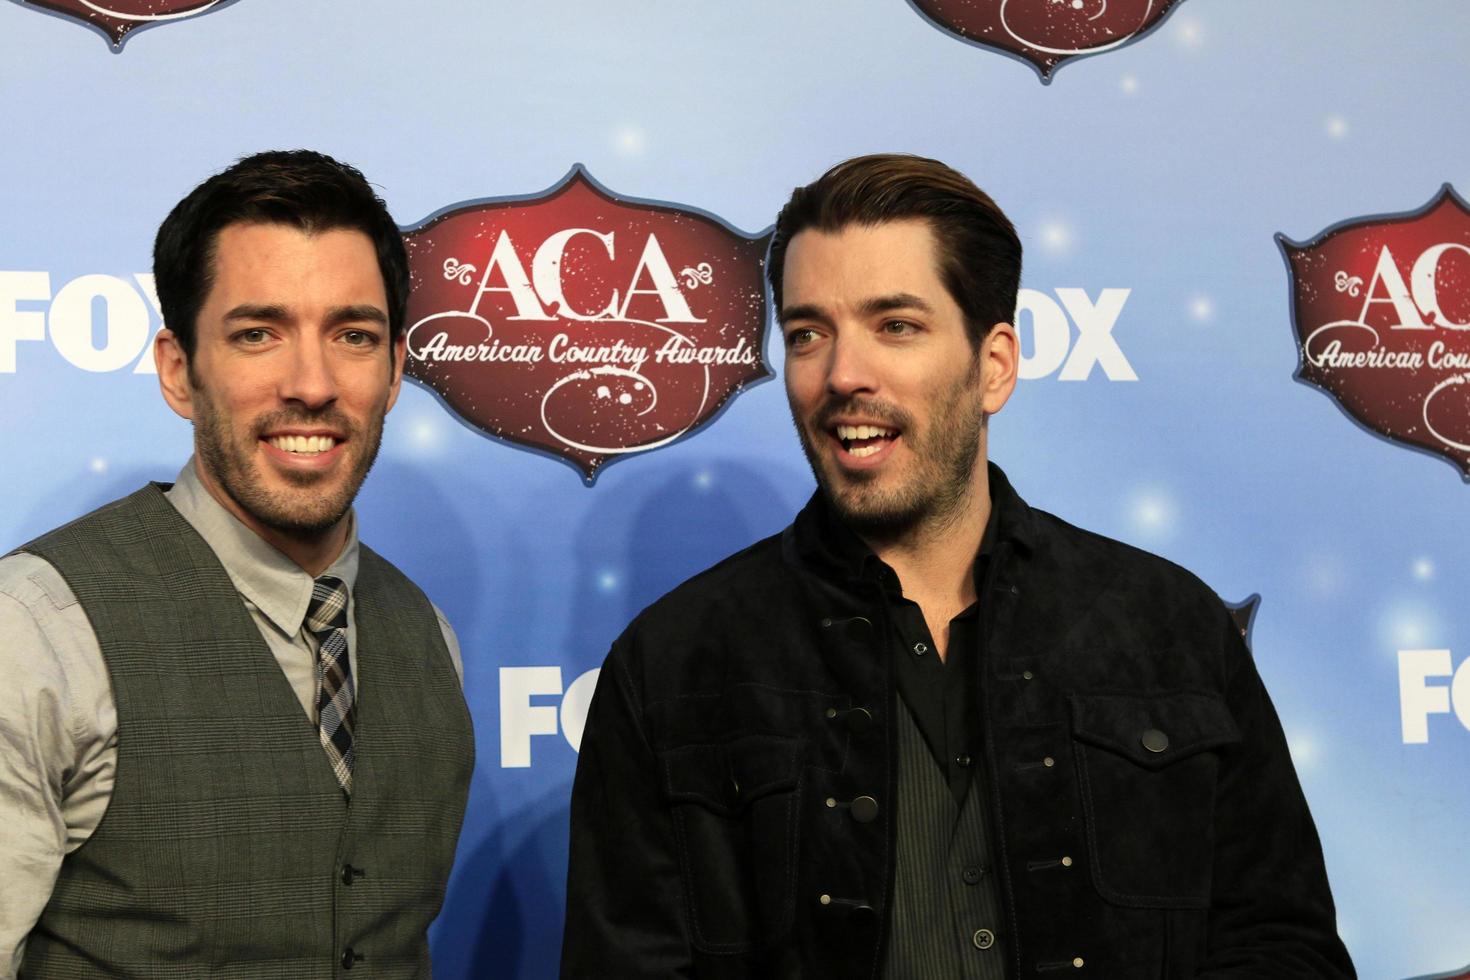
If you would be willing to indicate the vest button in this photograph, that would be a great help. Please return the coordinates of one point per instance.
(348, 873)
(349, 957)
(973, 874)
(983, 939)
(865, 809)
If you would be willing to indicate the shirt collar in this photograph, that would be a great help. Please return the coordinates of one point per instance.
(824, 541)
(276, 585)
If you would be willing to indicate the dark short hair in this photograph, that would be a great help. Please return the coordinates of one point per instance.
(979, 252)
(300, 188)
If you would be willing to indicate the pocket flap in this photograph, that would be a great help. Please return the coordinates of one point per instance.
(726, 776)
(1153, 730)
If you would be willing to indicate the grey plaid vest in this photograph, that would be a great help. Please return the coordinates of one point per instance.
(946, 918)
(228, 850)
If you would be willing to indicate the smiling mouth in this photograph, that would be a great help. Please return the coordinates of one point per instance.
(863, 440)
(304, 445)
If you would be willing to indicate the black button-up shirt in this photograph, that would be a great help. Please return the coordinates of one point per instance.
(940, 694)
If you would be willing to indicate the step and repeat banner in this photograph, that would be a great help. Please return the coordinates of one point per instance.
(1245, 324)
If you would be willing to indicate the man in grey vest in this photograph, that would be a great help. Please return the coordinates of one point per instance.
(929, 732)
(234, 739)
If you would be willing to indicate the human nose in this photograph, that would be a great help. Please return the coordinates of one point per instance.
(849, 367)
(309, 378)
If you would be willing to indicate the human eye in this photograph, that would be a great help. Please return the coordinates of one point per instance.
(359, 338)
(800, 337)
(899, 328)
(253, 336)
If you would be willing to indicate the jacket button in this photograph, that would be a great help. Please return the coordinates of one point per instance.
(1027, 675)
(973, 874)
(1155, 740)
(963, 761)
(865, 809)
(983, 939)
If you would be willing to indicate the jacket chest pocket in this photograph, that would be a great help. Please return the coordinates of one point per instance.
(734, 813)
(1148, 766)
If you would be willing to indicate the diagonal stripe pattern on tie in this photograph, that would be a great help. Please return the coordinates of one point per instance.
(336, 698)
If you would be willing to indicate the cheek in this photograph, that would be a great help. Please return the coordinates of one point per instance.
(804, 383)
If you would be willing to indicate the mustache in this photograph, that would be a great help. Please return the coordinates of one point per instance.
(891, 415)
(328, 417)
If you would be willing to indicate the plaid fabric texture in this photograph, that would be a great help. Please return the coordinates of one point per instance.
(336, 695)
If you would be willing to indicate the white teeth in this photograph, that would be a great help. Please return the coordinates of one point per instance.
(861, 451)
(306, 445)
(862, 432)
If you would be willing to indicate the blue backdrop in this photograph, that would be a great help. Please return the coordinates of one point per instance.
(1161, 170)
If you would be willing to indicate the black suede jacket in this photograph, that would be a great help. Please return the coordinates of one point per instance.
(732, 814)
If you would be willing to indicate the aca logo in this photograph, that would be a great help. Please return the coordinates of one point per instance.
(1381, 307)
(582, 324)
(1046, 33)
(117, 19)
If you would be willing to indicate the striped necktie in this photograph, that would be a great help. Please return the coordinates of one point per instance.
(336, 695)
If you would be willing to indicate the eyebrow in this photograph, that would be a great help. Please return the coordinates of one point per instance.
(273, 313)
(868, 307)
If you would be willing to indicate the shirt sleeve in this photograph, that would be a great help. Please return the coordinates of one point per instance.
(36, 759)
(452, 642)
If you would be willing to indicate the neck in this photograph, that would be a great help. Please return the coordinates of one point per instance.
(313, 551)
(935, 558)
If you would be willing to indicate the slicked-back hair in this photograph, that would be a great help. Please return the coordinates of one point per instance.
(978, 251)
(300, 188)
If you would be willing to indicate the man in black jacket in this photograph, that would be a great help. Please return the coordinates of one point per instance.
(928, 731)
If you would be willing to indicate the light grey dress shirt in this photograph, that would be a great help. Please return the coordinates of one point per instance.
(58, 722)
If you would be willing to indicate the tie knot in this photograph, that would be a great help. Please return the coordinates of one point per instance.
(328, 608)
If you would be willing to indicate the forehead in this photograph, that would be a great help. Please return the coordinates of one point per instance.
(859, 261)
(256, 256)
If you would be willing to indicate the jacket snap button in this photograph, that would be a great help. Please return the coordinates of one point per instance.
(827, 623)
(1077, 962)
(1155, 740)
(983, 939)
(1027, 675)
(865, 809)
(1048, 762)
(825, 899)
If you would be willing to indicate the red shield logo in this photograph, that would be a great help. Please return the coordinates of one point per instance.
(1046, 33)
(583, 324)
(1381, 307)
(119, 18)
